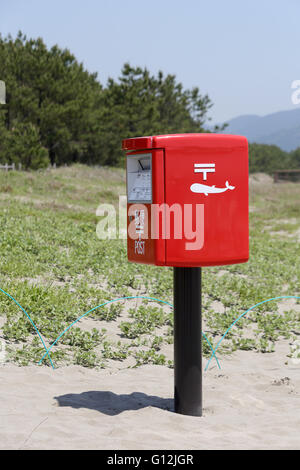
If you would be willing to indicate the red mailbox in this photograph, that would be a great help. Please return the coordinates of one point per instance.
(187, 199)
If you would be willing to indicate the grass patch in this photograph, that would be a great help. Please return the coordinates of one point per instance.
(55, 266)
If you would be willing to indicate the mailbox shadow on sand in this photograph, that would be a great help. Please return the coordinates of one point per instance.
(113, 404)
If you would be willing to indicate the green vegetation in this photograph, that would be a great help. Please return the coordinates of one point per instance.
(54, 265)
(269, 158)
(51, 259)
(57, 112)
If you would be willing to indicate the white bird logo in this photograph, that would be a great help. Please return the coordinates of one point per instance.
(204, 189)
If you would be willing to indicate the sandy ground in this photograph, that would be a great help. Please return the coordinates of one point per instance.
(253, 402)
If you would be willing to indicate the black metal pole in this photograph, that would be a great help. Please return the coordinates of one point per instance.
(187, 341)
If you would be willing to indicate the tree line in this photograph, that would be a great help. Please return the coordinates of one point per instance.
(56, 112)
(269, 158)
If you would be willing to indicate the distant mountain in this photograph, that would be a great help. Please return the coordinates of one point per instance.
(281, 128)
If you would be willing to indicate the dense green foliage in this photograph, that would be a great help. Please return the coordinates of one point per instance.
(58, 112)
(142, 104)
(49, 96)
(269, 158)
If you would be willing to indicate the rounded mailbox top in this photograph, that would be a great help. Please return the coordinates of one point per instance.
(182, 140)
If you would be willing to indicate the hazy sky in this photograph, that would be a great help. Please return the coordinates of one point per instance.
(243, 54)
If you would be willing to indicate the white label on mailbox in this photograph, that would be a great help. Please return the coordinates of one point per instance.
(204, 189)
(204, 168)
(139, 178)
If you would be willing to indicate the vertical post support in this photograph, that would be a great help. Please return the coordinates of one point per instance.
(187, 341)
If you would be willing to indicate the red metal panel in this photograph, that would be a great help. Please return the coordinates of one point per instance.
(223, 191)
(139, 143)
